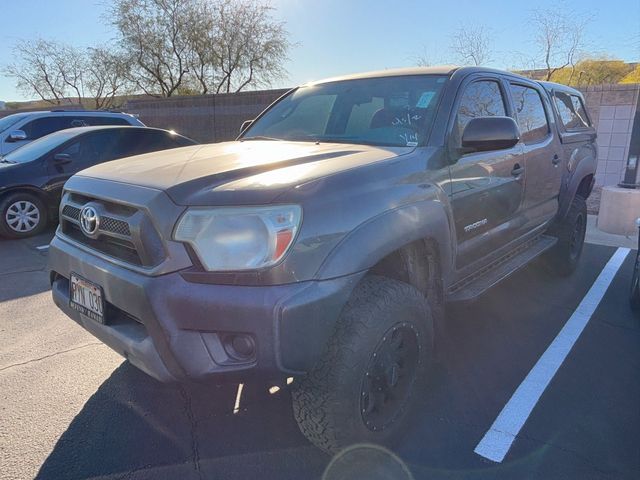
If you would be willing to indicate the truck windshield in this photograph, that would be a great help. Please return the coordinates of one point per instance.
(385, 111)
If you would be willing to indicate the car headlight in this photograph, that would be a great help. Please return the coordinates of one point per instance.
(239, 238)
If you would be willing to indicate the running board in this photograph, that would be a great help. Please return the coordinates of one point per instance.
(472, 287)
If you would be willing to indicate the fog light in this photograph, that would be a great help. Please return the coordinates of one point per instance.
(240, 346)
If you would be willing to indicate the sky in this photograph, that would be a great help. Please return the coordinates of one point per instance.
(335, 37)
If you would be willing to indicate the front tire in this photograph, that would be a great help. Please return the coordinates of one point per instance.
(364, 387)
(22, 215)
(563, 258)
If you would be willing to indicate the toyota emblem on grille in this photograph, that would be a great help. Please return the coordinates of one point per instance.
(89, 221)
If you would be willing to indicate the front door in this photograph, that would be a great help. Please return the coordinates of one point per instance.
(487, 188)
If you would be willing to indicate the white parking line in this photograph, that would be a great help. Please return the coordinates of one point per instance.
(497, 441)
(43, 247)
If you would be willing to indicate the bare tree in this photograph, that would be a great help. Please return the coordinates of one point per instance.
(106, 76)
(560, 38)
(471, 44)
(251, 46)
(37, 70)
(154, 33)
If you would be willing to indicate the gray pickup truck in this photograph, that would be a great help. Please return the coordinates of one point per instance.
(324, 243)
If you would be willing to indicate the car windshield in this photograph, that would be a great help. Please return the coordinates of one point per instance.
(36, 149)
(386, 111)
(9, 120)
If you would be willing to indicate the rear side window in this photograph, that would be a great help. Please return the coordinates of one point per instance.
(480, 99)
(137, 141)
(571, 111)
(41, 126)
(87, 121)
(532, 118)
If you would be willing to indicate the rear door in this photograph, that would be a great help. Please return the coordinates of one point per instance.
(541, 149)
(487, 188)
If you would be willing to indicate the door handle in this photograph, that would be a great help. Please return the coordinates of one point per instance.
(517, 170)
(555, 160)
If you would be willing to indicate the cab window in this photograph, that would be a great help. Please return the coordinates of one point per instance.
(480, 99)
(532, 118)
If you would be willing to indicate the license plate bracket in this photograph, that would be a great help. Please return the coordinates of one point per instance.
(86, 297)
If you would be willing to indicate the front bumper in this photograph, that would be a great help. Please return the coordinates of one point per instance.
(173, 329)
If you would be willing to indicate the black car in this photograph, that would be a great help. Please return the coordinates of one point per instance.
(31, 177)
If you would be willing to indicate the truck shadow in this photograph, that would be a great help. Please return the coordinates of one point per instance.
(135, 427)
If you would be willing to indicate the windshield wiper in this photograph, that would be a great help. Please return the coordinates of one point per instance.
(4, 160)
(261, 137)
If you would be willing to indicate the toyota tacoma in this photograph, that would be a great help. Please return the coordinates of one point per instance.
(324, 243)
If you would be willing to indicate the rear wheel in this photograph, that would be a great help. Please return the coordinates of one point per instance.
(364, 387)
(563, 258)
(22, 215)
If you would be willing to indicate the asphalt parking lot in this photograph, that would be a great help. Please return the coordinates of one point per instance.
(72, 409)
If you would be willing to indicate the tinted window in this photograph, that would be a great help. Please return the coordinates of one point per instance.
(87, 121)
(11, 120)
(480, 99)
(41, 126)
(38, 148)
(389, 111)
(91, 149)
(131, 142)
(532, 119)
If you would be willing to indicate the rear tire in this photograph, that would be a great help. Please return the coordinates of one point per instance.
(563, 258)
(22, 215)
(364, 387)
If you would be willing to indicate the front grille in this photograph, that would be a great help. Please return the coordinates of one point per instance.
(71, 212)
(114, 247)
(108, 224)
(114, 236)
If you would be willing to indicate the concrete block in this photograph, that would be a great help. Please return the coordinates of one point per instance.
(605, 126)
(621, 126)
(624, 112)
(604, 139)
(620, 139)
(616, 153)
(611, 179)
(619, 209)
(607, 112)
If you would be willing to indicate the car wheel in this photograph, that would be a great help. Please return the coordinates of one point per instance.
(22, 215)
(364, 387)
(563, 258)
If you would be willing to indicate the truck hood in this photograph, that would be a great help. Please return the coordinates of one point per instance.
(237, 173)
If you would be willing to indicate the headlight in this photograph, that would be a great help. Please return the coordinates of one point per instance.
(239, 238)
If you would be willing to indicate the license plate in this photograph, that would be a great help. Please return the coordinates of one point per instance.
(86, 297)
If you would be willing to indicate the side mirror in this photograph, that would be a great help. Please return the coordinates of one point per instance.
(17, 136)
(490, 133)
(246, 124)
(62, 158)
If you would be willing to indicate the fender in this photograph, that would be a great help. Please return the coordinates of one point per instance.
(390, 231)
(583, 163)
